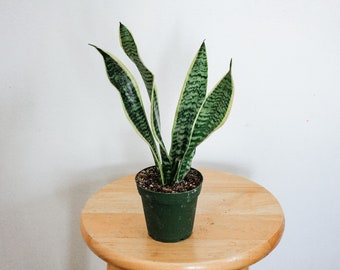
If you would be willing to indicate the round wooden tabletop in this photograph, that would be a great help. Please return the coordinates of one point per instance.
(237, 223)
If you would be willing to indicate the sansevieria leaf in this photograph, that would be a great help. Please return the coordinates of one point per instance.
(191, 99)
(212, 115)
(197, 115)
(127, 87)
(129, 46)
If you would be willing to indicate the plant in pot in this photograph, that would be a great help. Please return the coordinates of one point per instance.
(170, 188)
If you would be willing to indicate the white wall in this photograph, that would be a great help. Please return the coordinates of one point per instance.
(63, 133)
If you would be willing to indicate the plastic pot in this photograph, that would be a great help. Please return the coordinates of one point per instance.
(170, 216)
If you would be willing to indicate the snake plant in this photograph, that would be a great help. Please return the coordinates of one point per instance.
(197, 115)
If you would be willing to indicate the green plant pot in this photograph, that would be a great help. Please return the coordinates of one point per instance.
(170, 216)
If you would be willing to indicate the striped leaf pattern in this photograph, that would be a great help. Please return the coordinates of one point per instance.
(212, 115)
(127, 87)
(197, 115)
(130, 48)
(191, 99)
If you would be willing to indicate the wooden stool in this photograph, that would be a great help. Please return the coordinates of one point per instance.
(237, 223)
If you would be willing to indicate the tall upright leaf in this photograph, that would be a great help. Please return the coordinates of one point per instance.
(129, 46)
(127, 87)
(191, 99)
(212, 115)
(197, 116)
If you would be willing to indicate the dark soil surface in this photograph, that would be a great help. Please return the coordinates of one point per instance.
(149, 179)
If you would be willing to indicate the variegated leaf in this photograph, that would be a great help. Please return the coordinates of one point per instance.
(129, 46)
(127, 87)
(212, 115)
(191, 99)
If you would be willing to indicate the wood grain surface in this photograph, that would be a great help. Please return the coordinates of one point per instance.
(237, 223)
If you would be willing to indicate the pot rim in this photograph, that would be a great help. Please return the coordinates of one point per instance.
(194, 190)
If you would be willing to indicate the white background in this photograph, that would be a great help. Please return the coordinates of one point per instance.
(63, 133)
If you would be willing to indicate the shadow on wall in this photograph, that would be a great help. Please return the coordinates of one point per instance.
(44, 232)
(78, 254)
